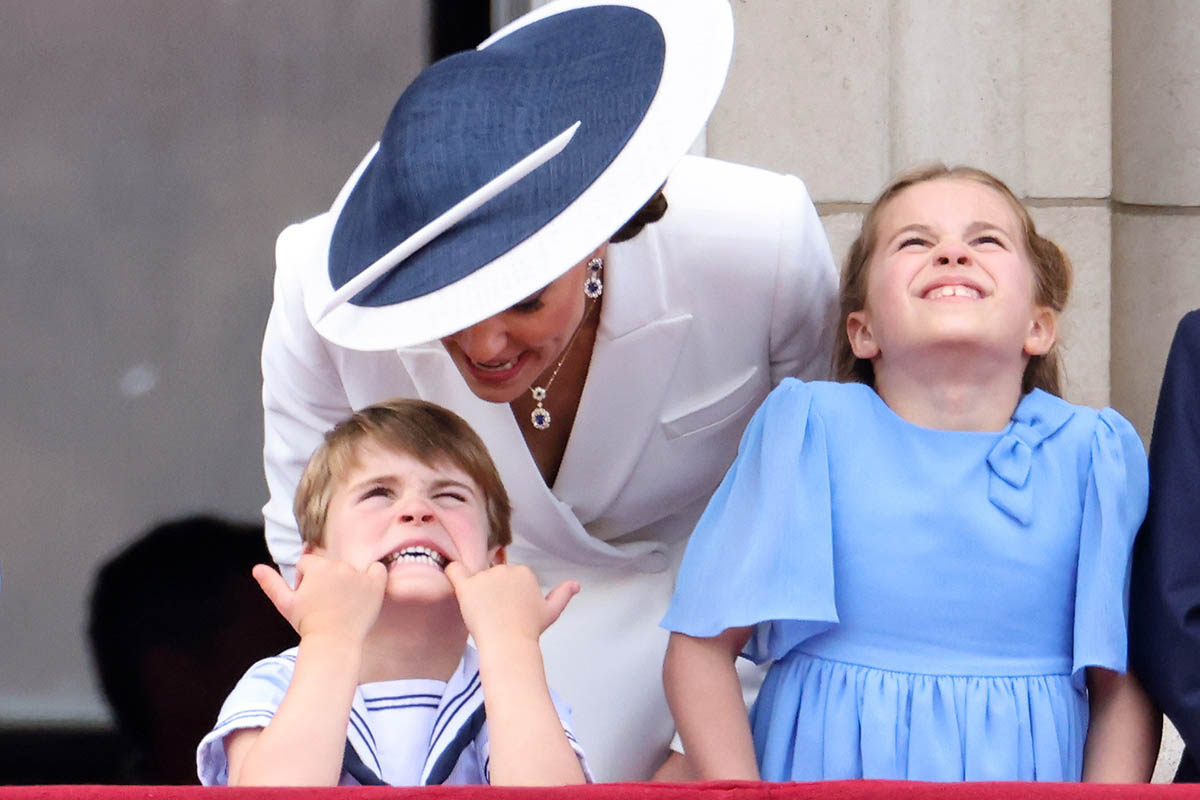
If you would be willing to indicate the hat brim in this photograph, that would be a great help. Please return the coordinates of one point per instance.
(699, 42)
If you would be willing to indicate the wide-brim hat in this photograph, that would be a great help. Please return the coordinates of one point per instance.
(581, 107)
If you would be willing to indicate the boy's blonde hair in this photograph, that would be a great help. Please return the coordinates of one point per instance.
(1051, 271)
(433, 435)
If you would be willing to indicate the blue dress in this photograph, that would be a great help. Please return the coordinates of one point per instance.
(929, 599)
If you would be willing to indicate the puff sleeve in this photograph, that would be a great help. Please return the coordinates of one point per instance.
(1113, 507)
(762, 552)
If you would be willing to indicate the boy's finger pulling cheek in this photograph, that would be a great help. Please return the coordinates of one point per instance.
(456, 572)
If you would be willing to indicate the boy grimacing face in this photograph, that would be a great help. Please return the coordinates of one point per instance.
(391, 503)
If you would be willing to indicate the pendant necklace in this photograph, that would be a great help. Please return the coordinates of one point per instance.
(540, 416)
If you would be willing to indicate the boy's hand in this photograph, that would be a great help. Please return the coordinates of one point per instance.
(505, 611)
(505, 600)
(331, 596)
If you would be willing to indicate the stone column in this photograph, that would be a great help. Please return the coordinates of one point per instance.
(1156, 191)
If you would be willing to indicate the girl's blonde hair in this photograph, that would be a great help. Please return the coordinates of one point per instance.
(1051, 270)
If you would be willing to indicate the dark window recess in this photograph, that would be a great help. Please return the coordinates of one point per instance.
(456, 25)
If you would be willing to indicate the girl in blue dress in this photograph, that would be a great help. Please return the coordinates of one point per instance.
(933, 555)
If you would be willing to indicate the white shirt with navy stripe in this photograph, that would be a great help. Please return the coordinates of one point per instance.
(405, 732)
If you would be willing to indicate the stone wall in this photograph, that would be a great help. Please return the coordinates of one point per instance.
(846, 94)
(1156, 191)
(1088, 109)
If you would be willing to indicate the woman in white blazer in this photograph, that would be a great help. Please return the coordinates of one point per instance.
(610, 380)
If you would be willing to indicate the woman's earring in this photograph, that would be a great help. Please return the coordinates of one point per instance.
(593, 287)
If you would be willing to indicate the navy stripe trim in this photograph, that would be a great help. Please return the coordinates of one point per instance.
(352, 764)
(364, 731)
(449, 758)
(434, 697)
(254, 712)
(360, 724)
(452, 707)
(403, 705)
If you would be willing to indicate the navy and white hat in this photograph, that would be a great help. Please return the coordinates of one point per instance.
(582, 108)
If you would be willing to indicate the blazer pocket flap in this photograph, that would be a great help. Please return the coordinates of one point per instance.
(718, 407)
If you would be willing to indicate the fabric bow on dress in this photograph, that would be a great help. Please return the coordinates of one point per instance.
(1009, 487)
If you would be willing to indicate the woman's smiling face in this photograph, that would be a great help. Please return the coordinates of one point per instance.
(501, 357)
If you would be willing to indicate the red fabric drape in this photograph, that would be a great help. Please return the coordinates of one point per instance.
(724, 790)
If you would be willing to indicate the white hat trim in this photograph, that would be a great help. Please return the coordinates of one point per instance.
(691, 82)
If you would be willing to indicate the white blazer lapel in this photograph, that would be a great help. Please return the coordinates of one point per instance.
(637, 346)
(539, 518)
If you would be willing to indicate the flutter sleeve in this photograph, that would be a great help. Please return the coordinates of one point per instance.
(1113, 507)
(762, 553)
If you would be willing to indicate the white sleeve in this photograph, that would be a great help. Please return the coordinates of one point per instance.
(564, 716)
(805, 305)
(252, 704)
(303, 395)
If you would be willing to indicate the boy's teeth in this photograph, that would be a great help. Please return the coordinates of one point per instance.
(417, 553)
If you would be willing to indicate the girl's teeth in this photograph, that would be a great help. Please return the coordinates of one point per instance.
(953, 291)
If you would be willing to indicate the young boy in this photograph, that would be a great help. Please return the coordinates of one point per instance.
(404, 521)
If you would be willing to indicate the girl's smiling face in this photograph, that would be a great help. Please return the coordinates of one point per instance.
(413, 517)
(950, 268)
